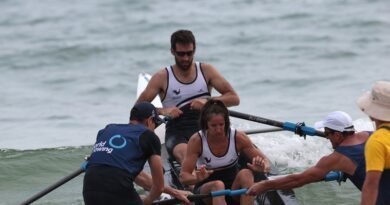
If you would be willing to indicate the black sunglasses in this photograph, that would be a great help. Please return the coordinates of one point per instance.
(183, 53)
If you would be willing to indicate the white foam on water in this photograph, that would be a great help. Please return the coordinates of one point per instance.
(287, 150)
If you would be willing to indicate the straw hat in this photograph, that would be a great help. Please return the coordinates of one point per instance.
(376, 103)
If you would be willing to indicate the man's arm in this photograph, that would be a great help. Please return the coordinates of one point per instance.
(313, 174)
(145, 181)
(217, 81)
(154, 87)
(157, 178)
(157, 85)
(370, 187)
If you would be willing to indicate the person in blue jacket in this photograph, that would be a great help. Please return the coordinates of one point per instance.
(118, 158)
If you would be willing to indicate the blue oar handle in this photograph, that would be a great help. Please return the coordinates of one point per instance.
(334, 176)
(302, 129)
(83, 165)
(228, 192)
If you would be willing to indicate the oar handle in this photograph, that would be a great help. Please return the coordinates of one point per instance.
(334, 176)
(304, 129)
(228, 192)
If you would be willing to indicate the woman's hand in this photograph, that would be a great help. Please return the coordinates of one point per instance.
(203, 173)
(260, 164)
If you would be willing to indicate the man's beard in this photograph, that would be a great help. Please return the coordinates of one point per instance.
(184, 65)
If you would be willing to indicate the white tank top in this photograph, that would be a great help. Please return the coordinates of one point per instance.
(213, 162)
(179, 94)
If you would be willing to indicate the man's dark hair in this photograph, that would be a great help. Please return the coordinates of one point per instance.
(344, 133)
(182, 37)
(214, 107)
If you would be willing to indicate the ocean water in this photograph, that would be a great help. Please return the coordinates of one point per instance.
(70, 67)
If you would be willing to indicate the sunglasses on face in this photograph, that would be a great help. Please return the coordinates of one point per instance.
(184, 53)
(328, 133)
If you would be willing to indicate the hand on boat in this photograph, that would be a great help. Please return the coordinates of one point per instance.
(256, 189)
(203, 173)
(182, 196)
(260, 164)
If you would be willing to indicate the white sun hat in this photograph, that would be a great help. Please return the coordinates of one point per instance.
(337, 120)
(376, 103)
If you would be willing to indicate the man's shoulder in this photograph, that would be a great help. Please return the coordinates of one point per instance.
(161, 72)
(159, 76)
(206, 67)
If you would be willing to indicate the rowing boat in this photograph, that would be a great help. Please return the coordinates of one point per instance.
(172, 168)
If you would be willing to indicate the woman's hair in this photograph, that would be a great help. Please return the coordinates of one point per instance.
(214, 107)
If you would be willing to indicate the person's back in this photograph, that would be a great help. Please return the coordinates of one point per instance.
(119, 136)
(119, 155)
(354, 150)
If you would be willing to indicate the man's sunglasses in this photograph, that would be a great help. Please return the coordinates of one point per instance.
(183, 53)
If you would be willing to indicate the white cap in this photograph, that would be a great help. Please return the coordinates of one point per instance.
(338, 120)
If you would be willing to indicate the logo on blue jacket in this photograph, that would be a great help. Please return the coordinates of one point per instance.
(119, 143)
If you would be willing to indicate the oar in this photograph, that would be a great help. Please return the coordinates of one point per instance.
(258, 131)
(298, 128)
(56, 185)
(331, 176)
(335, 176)
(226, 192)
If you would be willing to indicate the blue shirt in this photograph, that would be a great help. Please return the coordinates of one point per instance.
(125, 146)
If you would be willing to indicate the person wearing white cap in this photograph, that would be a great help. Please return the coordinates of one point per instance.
(376, 104)
(348, 157)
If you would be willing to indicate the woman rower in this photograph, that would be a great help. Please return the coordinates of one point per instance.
(214, 151)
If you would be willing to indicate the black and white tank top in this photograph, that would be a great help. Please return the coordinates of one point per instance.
(179, 94)
(207, 158)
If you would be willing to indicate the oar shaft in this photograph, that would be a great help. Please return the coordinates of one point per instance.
(54, 186)
(331, 176)
(258, 131)
(299, 129)
(255, 118)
